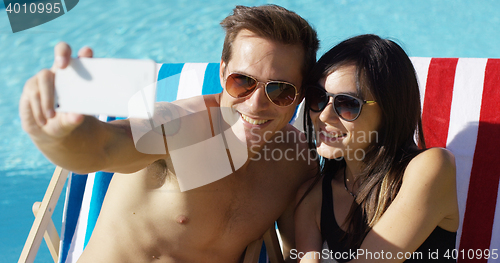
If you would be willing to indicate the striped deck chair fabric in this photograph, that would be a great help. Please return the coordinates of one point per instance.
(461, 111)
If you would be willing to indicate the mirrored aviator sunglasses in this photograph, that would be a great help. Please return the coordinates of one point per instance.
(347, 107)
(278, 92)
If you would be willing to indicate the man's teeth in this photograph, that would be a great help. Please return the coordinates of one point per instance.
(253, 121)
(333, 135)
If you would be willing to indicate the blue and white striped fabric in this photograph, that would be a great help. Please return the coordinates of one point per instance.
(85, 193)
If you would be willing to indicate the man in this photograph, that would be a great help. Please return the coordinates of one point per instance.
(145, 216)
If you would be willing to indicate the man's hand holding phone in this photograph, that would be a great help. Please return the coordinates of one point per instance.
(36, 106)
(66, 134)
(54, 100)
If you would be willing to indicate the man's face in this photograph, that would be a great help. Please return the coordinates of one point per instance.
(264, 60)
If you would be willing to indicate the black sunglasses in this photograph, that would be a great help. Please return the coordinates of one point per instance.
(347, 107)
(278, 92)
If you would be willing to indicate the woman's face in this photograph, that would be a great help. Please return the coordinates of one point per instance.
(336, 137)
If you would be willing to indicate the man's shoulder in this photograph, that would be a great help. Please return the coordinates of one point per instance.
(196, 103)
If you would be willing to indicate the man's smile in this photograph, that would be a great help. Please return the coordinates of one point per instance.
(252, 120)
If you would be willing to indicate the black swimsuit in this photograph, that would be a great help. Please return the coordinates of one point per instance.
(439, 240)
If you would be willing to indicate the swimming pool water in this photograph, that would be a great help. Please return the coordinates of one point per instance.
(189, 31)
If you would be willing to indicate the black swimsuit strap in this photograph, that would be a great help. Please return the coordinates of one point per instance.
(330, 230)
(328, 221)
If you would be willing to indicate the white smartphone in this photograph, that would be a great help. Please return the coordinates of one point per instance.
(114, 87)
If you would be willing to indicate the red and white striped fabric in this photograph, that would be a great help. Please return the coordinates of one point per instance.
(461, 111)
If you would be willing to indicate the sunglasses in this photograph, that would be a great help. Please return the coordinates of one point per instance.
(278, 92)
(347, 107)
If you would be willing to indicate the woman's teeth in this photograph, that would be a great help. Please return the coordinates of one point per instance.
(333, 135)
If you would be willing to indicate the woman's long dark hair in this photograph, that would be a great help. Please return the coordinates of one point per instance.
(386, 71)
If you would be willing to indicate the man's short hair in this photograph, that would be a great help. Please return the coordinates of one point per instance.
(274, 23)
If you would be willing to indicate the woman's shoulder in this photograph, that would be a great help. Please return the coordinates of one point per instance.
(433, 158)
(437, 152)
(432, 165)
(430, 177)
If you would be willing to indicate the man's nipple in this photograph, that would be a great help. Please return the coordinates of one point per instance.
(182, 219)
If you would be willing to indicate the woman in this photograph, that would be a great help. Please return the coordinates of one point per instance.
(381, 195)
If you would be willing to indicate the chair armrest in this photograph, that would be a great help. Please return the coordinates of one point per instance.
(51, 236)
(44, 215)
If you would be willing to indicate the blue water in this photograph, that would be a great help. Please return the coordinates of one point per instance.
(189, 31)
